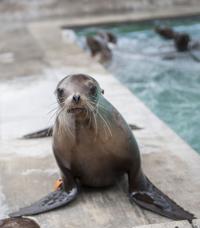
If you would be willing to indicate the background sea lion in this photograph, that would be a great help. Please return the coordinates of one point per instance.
(99, 46)
(108, 36)
(94, 146)
(165, 32)
(181, 42)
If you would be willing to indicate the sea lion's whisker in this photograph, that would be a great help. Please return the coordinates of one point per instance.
(87, 112)
(104, 127)
(99, 104)
(55, 103)
(90, 111)
(52, 110)
(94, 117)
(53, 115)
(106, 123)
(96, 126)
(64, 123)
(103, 110)
(91, 105)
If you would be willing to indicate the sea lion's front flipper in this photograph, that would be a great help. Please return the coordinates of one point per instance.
(149, 197)
(134, 127)
(54, 200)
(47, 132)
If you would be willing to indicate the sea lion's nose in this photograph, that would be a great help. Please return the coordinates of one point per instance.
(76, 98)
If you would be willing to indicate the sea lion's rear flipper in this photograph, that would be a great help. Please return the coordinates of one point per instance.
(151, 198)
(47, 132)
(54, 200)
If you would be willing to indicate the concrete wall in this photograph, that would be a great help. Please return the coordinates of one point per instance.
(29, 10)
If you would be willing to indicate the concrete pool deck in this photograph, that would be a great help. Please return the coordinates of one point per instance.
(28, 169)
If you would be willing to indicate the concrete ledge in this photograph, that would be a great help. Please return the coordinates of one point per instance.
(173, 12)
(104, 11)
(196, 223)
(178, 224)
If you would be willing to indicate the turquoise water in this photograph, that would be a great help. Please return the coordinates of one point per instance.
(170, 87)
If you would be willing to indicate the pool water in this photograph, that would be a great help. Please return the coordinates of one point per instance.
(167, 82)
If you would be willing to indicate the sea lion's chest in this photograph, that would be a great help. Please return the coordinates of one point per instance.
(95, 164)
(98, 160)
(91, 150)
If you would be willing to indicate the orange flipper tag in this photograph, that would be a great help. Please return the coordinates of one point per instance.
(58, 184)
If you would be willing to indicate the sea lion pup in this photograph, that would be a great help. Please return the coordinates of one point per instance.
(93, 146)
(18, 223)
(165, 32)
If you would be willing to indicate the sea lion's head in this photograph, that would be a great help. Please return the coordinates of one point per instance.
(182, 41)
(78, 94)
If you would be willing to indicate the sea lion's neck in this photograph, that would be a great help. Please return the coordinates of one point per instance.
(83, 127)
(72, 125)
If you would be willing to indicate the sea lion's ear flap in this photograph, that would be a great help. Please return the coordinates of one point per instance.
(102, 91)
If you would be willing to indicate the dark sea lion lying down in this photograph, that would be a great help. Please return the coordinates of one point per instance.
(93, 146)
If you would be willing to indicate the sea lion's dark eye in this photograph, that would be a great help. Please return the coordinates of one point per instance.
(93, 90)
(60, 92)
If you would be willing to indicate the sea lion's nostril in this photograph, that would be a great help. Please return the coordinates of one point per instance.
(76, 98)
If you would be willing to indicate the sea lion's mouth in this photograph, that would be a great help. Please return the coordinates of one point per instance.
(76, 110)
